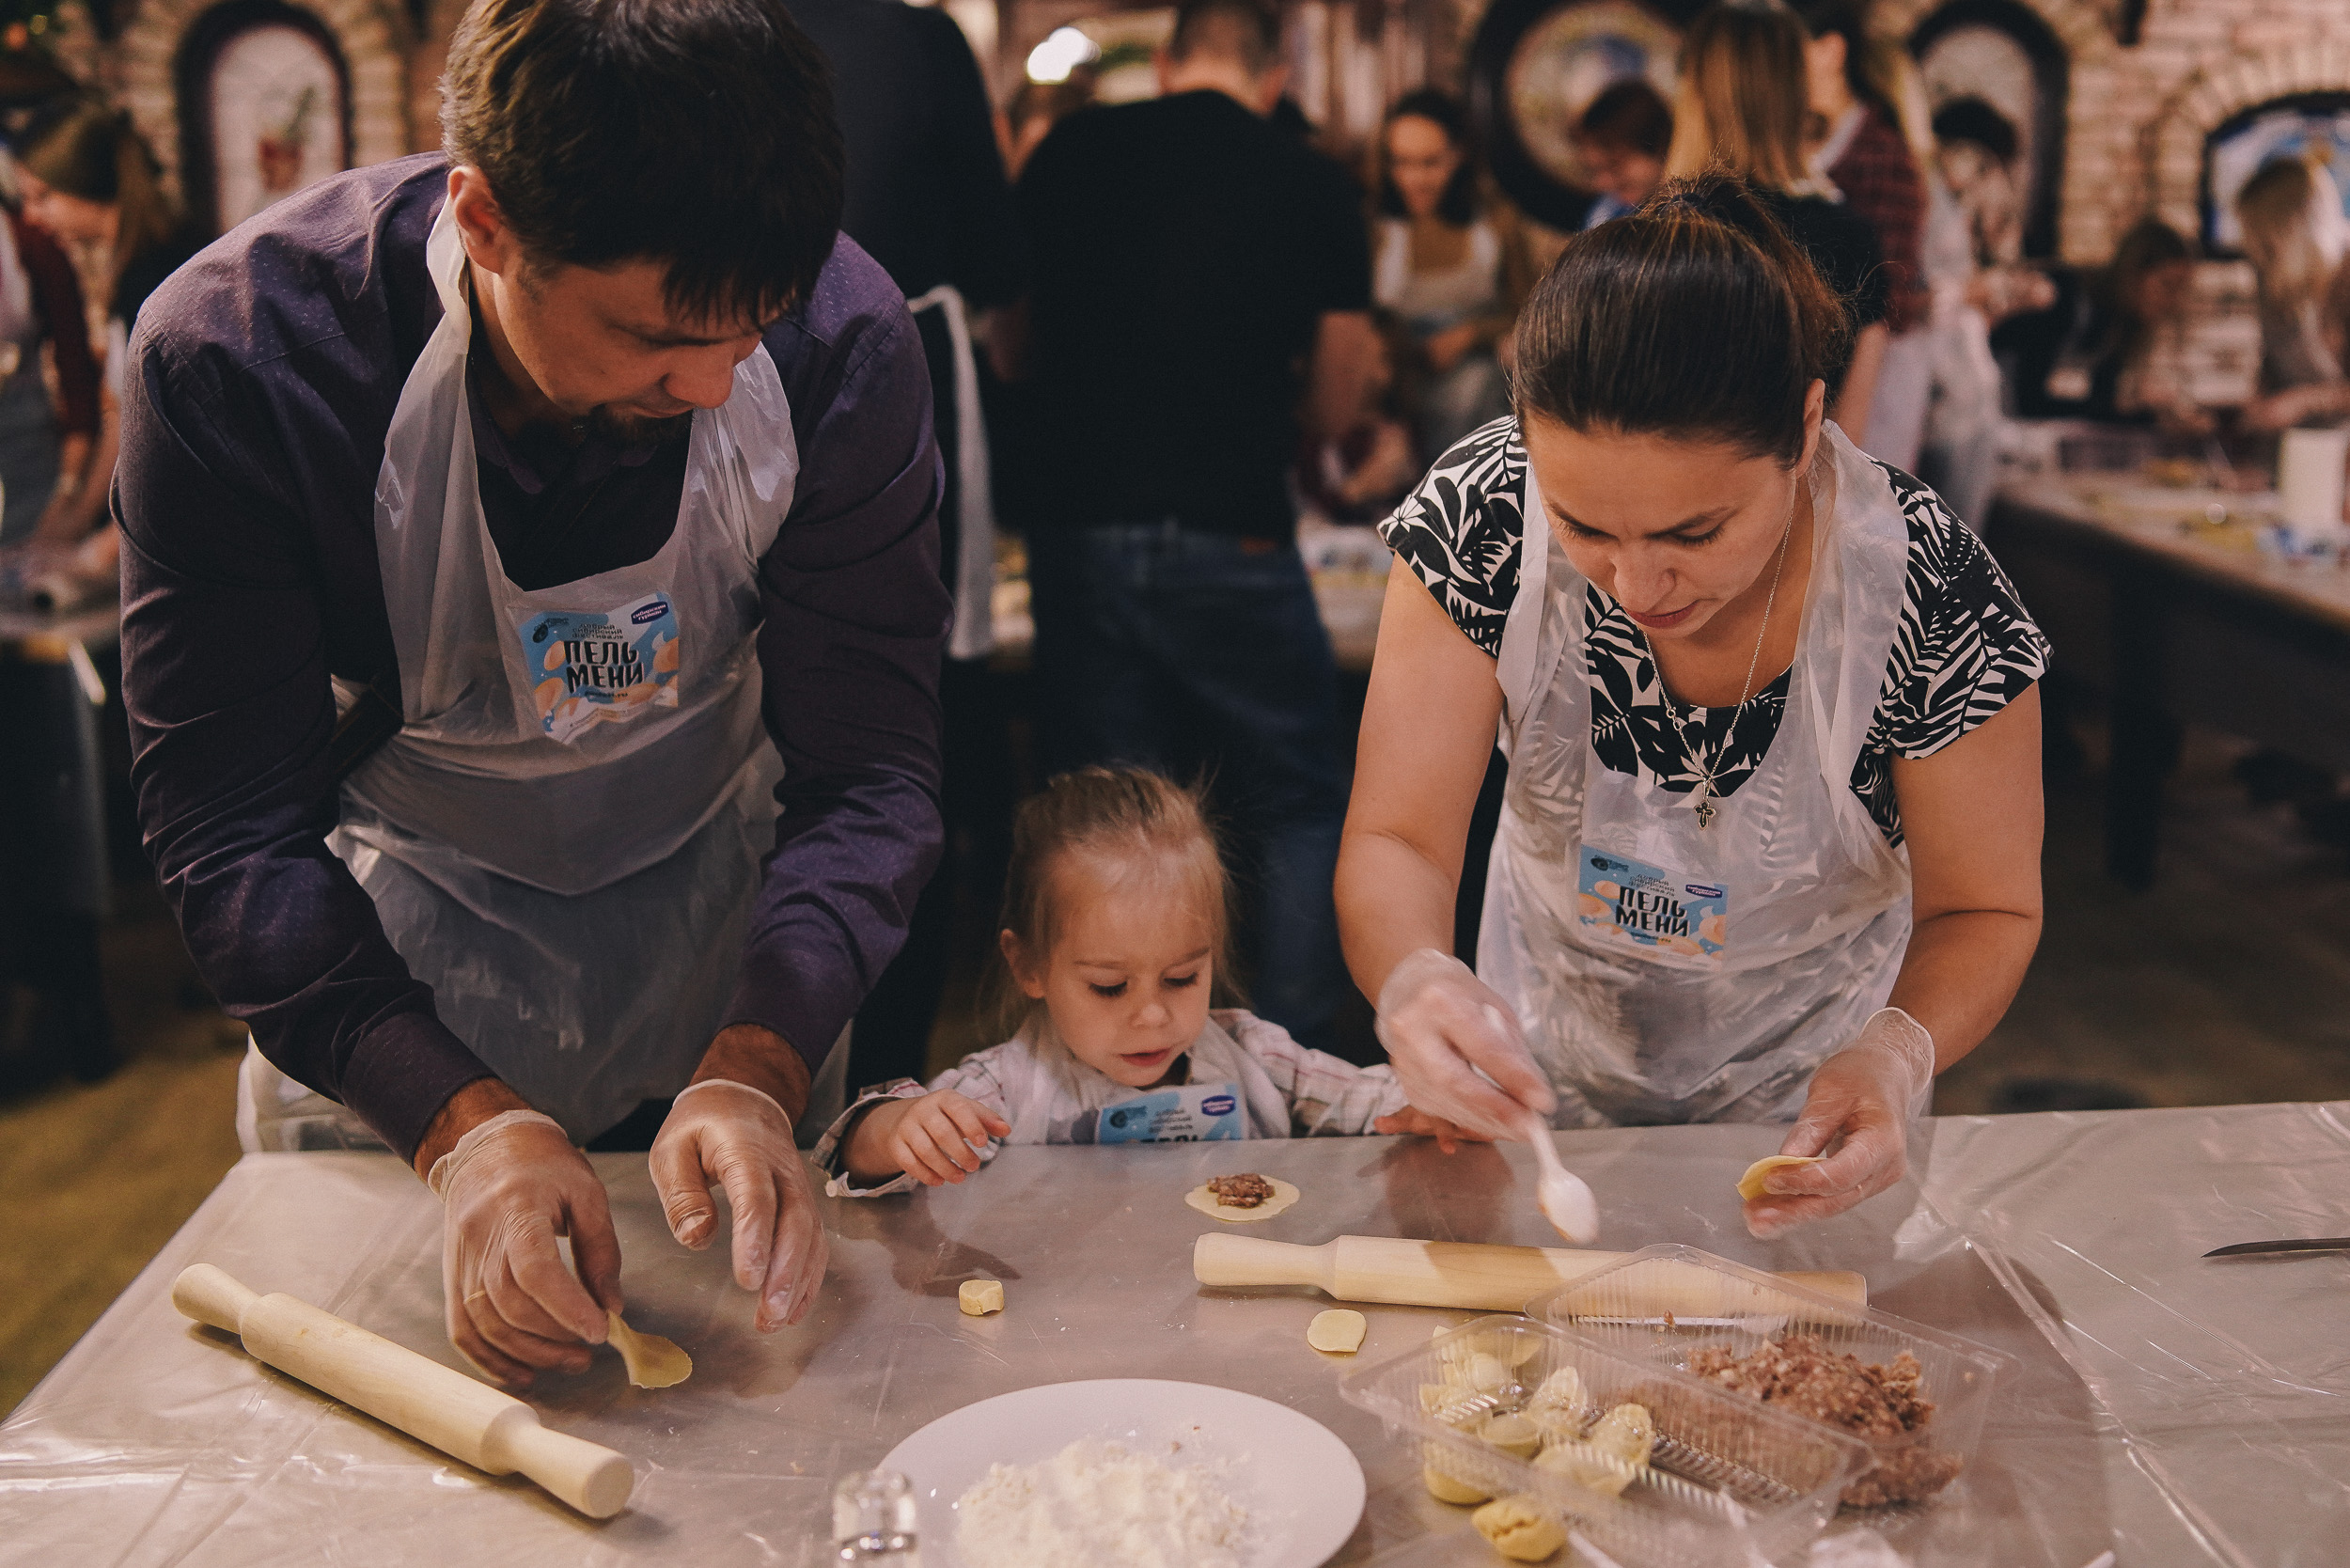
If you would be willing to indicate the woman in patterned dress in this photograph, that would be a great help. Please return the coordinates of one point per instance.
(1770, 845)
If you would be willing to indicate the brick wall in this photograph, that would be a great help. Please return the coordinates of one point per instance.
(2138, 115)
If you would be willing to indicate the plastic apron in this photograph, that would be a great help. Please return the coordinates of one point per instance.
(1666, 972)
(564, 840)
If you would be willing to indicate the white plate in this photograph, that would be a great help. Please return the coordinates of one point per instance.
(1302, 1487)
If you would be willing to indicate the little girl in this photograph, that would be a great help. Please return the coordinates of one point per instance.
(1114, 934)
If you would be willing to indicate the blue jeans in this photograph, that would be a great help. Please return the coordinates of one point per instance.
(1187, 651)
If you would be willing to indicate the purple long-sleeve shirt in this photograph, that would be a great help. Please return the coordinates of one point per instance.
(263, 378)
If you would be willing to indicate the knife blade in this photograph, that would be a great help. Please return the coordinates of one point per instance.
(2315, 1243)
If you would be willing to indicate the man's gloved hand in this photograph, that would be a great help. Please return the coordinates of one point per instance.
(1441, 1025)
(731, 1135)
(1866, 1095)
(511, 1186)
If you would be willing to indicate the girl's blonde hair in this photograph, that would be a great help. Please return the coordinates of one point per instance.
(2277, 210)
(1119, 814)
(1743, 98)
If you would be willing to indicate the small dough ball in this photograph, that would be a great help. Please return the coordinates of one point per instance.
(1444, 1488)
(1519, 1530)
(1751, 1186)
(1488, 1374)
(1514, 1435)
(1340, 1331)
(979, 1297)
(1561, 1390)
(1628, 1432)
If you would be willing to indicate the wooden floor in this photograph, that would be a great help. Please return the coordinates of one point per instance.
(2228, 982)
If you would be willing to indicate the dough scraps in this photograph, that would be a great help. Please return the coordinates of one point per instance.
(979, 1297)
(1751, 1186)
(653, 1362)
(1204, 1198)
(1339, 1330)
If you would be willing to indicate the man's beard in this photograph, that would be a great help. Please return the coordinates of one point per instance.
(635, 430)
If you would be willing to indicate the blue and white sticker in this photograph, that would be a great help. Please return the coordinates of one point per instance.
(1195, 1113)
(601, 666)
(1628, 902)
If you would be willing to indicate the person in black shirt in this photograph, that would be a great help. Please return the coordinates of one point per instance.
(927, 198)
(1188, 256)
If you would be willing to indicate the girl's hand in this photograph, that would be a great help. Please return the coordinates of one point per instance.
(1410, 1122)
(934, 1140)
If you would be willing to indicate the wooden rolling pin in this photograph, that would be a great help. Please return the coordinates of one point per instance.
(1474, 1275)
(460, 1416)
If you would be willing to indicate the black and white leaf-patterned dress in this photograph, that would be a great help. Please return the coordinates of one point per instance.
(1964, 649)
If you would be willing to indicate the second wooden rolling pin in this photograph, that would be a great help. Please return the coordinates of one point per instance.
(1406, 1273)
(434, 1404)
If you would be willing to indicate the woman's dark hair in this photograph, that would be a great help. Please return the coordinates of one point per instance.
(1864, 61)
(1694, 316)
(2146, 245)
(1458, 205)
(695, 132)
(92, 150)
(1628, 116)
(1971, 119)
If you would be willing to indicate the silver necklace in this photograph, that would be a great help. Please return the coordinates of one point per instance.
(1706, 811)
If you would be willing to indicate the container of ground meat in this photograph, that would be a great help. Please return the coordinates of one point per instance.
(1529, 1428)
(1915, 1396)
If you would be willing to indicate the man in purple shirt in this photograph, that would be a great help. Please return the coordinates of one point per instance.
(589, 460)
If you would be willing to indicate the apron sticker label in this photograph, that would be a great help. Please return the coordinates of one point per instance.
(1196, 1113)
(587, 667)
(1624, 899)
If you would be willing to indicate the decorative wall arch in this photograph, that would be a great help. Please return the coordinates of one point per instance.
(372, 34)
(2174, 153)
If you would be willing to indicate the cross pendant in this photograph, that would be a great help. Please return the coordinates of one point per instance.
(1705, 812)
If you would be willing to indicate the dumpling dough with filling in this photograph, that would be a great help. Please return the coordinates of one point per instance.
(1205, 1202)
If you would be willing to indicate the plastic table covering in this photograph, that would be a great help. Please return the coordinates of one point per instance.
(2170, 1409)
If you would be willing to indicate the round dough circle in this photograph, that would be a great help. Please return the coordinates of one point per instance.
(1751, 1186)
(1202, 1200)
(1340, 1331)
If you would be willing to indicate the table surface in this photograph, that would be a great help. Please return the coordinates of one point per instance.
(2169, 524)
(2175, 1411)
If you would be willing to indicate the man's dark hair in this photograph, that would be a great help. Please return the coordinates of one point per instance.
(1971, 119)
(1628, 116)
(1248, 31)
(1626, 331)
(695, 132)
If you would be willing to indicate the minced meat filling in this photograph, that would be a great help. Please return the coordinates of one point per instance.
(1799, 1374)
(1244, 1191)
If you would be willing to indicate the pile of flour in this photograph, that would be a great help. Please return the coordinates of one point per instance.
(1096, 1502)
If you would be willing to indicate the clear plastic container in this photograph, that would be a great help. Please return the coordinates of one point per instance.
(1727, 1479)
(1722, 1303)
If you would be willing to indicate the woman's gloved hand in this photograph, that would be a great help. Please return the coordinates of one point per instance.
(731, 1136)
(509, 1188)
(1866, 1095)
(1441, 1028)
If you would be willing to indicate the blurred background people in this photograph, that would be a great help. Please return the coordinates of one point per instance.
(1035, 108)
(90, 179)
(2294, 235)
(1357, 474)
(2113, 346)
(926, 196)
(1975, 150)
(1856, 85)
(1450, 265)
(45, 448)
(1188, 256)
(1622, 137)
(1744, 103)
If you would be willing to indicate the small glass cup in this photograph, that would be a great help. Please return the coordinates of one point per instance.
(873, 1519)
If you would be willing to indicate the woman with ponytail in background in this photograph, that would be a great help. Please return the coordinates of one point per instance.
(89, 179)
(1770, 849)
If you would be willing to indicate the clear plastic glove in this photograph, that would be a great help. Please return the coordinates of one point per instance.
(1441, 1028)
(1866, 1095)
(731, 1135)
(509, 1188)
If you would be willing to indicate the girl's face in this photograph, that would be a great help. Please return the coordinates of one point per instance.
(1422, 159)
(69, 217)
(1128, 976)
(1673, 529)
(2163, 292)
